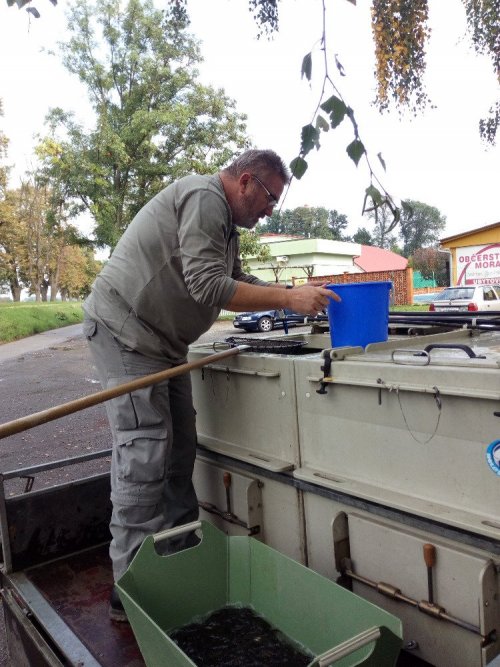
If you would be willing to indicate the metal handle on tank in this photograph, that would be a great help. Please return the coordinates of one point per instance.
(449, 346)
(174, 532)
(346, 648)
(414, 353)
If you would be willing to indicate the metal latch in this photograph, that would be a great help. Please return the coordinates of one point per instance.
(228, 514)
(426, 606)
(326, 368)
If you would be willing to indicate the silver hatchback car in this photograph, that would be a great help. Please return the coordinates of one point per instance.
(468, 298)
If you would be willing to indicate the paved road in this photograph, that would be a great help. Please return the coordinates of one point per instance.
(39, 342)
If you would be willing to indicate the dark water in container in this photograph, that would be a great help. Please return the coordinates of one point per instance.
(238, 637)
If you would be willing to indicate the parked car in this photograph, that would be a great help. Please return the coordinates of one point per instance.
(424, 299)
(267, 320)
(468, 298)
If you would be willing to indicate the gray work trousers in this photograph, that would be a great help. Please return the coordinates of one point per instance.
(154, 447)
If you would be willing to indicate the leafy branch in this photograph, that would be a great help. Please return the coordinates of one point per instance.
(337, 110)
(31, 9)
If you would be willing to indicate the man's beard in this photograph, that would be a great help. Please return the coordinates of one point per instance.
(243, 215)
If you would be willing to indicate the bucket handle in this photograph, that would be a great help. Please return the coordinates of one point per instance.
(174, 532)
(346, 648)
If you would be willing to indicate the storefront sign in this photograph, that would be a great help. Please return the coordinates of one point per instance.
(478, 264)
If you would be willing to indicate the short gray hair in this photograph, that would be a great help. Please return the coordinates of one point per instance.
(260, 163)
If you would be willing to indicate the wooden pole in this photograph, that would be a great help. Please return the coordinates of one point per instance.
(37, 418)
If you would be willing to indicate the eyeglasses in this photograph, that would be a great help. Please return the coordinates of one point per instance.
(272, 200)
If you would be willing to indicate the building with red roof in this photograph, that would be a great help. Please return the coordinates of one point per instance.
(378, 259)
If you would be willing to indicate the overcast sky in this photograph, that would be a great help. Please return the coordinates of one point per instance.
(437, 159)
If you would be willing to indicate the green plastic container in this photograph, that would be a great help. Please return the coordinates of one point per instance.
(162, 593)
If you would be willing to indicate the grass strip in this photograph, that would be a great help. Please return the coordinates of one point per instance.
(19, 320)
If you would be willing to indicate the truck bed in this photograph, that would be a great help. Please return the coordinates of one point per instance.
(56, 577)
(78, 588)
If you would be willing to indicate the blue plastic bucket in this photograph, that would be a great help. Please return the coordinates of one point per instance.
(362, 317)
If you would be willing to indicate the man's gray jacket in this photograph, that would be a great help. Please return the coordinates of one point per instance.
(176, 265)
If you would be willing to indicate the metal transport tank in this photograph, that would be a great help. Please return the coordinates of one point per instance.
(388, 451)
(408, 424)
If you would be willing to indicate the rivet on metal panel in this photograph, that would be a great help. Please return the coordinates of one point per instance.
(380, 381)
(411, 645)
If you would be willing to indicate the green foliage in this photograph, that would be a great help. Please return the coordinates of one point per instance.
(383, 224)
(421, 226)
(306, 221)
(298, 167)
(355, 151)
(4, 171)
(363, 236)
(38, 247)
(154, 121)
(307, 66)
(483, 20)
(310, 139)
(265, 14)
(336, 108)
(409, 307)
(250, 246)
(400, 32)
(432, 264)
(26, 319)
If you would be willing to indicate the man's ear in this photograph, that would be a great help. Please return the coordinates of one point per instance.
(243, 181)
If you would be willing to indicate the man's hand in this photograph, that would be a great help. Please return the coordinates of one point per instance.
(306, 299)
(309, 300)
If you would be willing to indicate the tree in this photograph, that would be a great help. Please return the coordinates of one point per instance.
(421, 226)
(30, 213)
(250, 246)
(383, 225)
(337, 222)
(432, 264)
(4, 170)
(8, 274)
(11, 250)
(154, 121)
(23, 248)
(363, 236)
(307, 221)
(34, 242)
(78, 269)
